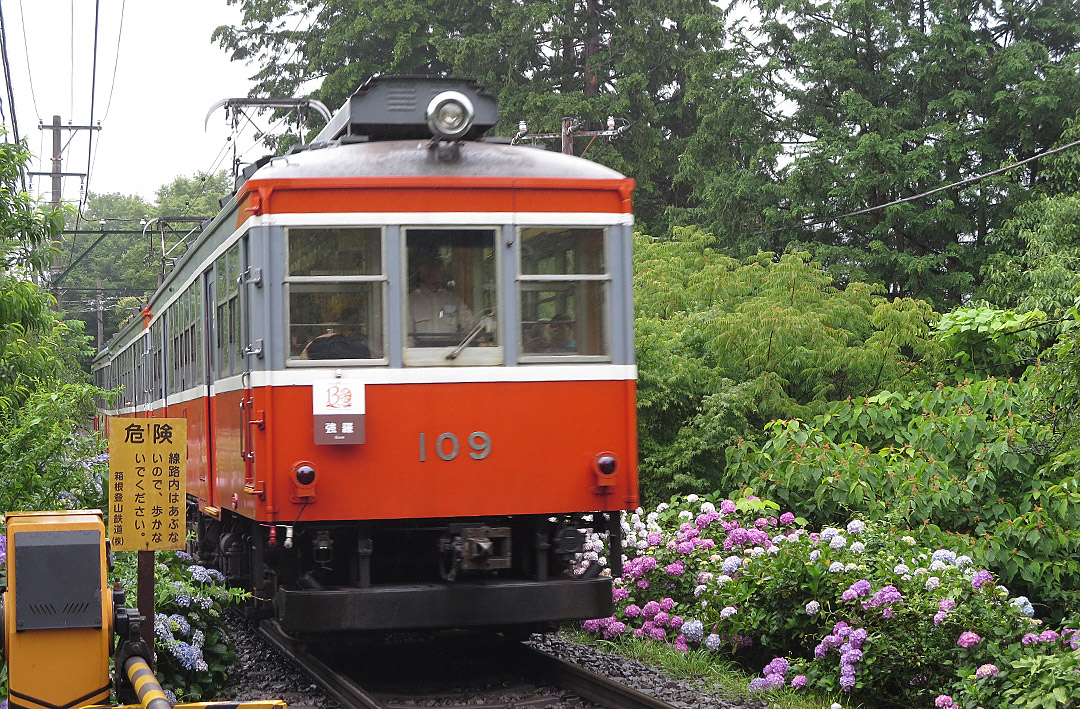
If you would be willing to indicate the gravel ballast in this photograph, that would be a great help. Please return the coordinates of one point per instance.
(260, 672)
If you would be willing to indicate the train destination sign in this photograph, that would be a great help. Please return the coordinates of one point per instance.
(147, 483)
(338, 411)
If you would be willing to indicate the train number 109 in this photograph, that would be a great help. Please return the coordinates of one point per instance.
(447, 446)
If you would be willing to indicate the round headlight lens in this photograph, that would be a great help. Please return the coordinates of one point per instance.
(450, 114)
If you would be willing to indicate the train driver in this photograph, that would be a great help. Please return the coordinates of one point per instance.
(434, 309)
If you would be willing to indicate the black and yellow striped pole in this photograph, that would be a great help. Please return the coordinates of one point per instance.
(146, 685)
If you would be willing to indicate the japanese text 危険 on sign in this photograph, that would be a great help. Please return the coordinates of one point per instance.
(147, 483)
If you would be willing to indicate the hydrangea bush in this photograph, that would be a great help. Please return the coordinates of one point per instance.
(192, 650)
(864, 609)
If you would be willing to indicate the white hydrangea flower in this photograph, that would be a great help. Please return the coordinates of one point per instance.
(857, 547)
(638, 512)
(936, 566)
(625, 526)
(812, 608)
(921, 571)
(699, 589)
(642, 544)
(837, 542)
(851, 567)
(962, 561)
(901, 569)
(932, 583)
(722, 579)
(910, 541)
(757, 551)
(856, 526)
(692, 498)
(686, 514)
(774, 550)
(815, 555)
(663, 507)
(708, 507)
(836, 568)
(793, 537)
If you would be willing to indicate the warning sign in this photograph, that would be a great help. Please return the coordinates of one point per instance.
(147, 483)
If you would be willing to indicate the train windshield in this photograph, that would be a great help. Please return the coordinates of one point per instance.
(335, 282)
(451, 294)
(563, 289)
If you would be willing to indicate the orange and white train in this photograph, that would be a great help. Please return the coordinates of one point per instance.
(405, 355)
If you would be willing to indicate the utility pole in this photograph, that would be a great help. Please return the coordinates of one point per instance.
(571, 128)
(57, 176)
(100, 316)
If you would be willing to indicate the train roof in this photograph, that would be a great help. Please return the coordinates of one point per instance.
(415, 158)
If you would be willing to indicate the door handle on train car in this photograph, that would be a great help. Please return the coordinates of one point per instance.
(245, 405)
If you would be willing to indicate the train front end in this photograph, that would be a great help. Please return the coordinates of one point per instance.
(426, 417)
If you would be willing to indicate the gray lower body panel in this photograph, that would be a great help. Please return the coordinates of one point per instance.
(452, 605)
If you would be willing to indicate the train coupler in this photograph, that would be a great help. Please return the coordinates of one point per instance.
(466, 548)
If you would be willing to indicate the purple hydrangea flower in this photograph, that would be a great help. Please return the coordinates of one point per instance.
(787, 518)
(944, 701)
(778, 666)
(632, 611)
(619, 594)
(981, 578)
(987, 670)
(650, 610)
(798, 681)
(856, 590)
(675, 568)
(667, 604)
(727, 507)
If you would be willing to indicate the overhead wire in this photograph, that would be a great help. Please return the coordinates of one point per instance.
(954, 185)
(116, 62)
(71, 77)
(26, 51)
(7, 79)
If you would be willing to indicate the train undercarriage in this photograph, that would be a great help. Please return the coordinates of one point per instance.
(506, 573)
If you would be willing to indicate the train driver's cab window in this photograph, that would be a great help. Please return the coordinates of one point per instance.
(335, 284)
(563, 290)
(450, 303)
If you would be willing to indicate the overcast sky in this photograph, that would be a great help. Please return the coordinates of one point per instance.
(168, 76)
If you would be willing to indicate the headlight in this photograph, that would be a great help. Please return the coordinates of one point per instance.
(450, 115)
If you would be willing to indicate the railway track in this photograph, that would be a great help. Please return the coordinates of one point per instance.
(488, 675)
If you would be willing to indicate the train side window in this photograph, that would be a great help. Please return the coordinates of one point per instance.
(336, 284)
(562, 287)
(451, 295)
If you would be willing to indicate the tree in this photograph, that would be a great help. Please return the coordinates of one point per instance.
(895, 98)
(660, 65)
(43, 394)
(724, 347)
(129, 264)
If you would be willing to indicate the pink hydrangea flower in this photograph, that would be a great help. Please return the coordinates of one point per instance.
(967, 639)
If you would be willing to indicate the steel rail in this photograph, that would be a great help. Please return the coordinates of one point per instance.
(587, 684)
(343, 690)
(544, 668)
